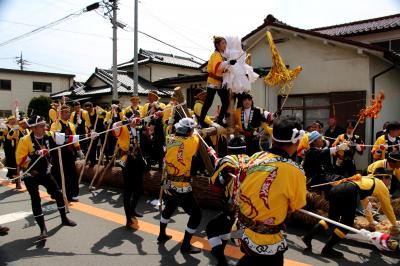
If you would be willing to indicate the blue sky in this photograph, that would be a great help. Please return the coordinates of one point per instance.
(80, 44)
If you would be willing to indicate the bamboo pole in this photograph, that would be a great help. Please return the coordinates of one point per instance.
(88, 151)
(109, 165)
(62, 180)
(100, 158)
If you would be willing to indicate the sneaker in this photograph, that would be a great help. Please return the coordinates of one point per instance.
(331, 253)
(120, 163)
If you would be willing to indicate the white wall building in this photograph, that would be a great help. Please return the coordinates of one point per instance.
(24, 85)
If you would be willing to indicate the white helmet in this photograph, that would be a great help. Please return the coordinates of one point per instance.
(185, 125)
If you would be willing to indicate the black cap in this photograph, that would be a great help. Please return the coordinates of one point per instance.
(247, 96)
(35, 120)
(394, 125)
(382, 172)
(115, 102)
(237, 145)
(394, 156)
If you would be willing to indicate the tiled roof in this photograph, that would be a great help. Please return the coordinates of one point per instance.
(125, 86)
(146, 56)
(273, 22)
(362, 27)
(182, 79)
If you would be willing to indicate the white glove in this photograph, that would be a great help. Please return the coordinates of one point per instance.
(171, 121)
(80, 154)
(109, 121)
(342, 147)
(94, 135)
(60, 138)
(15, 127)
(114, 106)
(216, 125)
(3, 126)
(42, 152)
(147, 119)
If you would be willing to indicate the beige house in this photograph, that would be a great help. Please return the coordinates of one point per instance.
(23, 85)
(343, 66)
(153, 66)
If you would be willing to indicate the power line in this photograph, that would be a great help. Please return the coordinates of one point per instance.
(123, 25)
(59, 68)
(171, 28)
(51, 24)
(62, 30)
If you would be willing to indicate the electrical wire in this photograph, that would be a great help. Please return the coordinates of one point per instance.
(152, 37)
(44, 27)
(62, 30)
(172, 29)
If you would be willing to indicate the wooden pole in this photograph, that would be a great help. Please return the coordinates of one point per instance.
(62, 180)
(109, 165)
(88, 151)
(100, 158)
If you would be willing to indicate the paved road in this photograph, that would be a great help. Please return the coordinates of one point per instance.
(101, 238)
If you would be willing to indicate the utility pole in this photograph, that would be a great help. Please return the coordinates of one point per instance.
(135, 65)
(114, 39)
(21, 62)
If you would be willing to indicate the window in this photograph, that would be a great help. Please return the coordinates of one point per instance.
(308, 108)
(41, 86)
(384, 44)
(395, 46)
(5, 113)
(311, 107)
(392, 45)
(5, 84)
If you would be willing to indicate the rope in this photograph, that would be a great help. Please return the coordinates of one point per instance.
(98, 133)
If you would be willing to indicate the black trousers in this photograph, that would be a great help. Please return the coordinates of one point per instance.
(32, 185)
(223, 94)
(347, 168)
(220, 225)
(188, 204)
(71, 177)
(10, 162)
(93, 151)
(343, 200)
(251, 258)
(133, 184)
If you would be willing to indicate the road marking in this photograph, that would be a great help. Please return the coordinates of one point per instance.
(12, 217)
(153, 229)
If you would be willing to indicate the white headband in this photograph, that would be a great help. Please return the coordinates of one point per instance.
(36, 122)
(236, 147)
(296, 136)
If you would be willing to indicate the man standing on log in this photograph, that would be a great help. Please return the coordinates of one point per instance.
(178, 190)
(215, 68)
(274, 185)
(230, 172)
(32, 147)
(69, 154)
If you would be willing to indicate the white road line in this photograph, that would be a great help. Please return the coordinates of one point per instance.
(12, 217)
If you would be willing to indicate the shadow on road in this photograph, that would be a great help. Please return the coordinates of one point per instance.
(115, 239)
(22, 248)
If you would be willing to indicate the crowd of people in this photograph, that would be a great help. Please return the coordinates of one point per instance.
(260, 183)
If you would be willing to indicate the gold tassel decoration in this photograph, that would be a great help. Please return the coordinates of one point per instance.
(279, 76)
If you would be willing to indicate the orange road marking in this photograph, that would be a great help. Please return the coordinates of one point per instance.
(149, 228)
